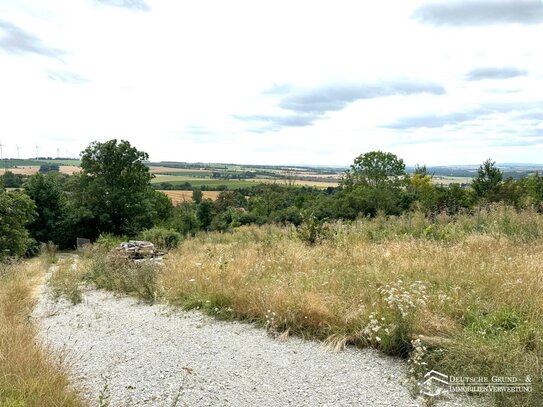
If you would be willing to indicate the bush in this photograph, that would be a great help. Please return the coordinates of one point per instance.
(162, 238)
(66, 281)
(116, 272)
(312, 230)
(107, 241)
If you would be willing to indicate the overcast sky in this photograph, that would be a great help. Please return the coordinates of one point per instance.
(275, 82)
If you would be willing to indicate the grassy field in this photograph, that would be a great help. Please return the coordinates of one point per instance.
(469, 289)
(462, 294)
(189, 174)
(198, 182)
(67, 162)
(29, 374)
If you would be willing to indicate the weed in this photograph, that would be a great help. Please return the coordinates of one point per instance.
(49, 252)
(115, 272)
(65, 281)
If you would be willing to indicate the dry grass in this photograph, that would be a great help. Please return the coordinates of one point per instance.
(178, 197)
(24, 170)
(66, 280)
(470, 287)
(69, 169)
(29, 376)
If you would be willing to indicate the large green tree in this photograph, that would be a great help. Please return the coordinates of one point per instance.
(49, 225)
(16, 211)
(112, 193)
(373, 183)
(375, 169)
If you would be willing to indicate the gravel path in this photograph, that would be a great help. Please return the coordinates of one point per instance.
(131, 354)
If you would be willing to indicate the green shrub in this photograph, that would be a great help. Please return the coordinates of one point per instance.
(108, 241)
(312, 230)
(115, 272)
(162, 238)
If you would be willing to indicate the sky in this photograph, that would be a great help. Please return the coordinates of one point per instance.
(274, 82)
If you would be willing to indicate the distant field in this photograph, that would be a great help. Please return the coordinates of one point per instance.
(24, 170)
(298, 182)
(33, 169)
(178, 176)
(171, 178)
(158, 170)
(18, 163)
(75, 163)
(186, 196)
(193, 174)
(69, 169)
(439, 179)
(231, 184)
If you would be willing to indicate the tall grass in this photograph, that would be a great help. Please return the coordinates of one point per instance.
(116, 272)
(469, 287)
(66, 280)
(29, 376)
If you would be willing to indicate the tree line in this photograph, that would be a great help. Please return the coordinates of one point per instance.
(112, 195)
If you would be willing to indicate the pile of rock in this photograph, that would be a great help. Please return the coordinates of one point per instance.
(139, 250)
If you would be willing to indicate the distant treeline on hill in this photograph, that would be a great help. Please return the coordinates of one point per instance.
(113, 195)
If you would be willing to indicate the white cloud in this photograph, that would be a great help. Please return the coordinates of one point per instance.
(176, 79)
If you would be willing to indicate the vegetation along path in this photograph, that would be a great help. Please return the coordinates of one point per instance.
(124, 353)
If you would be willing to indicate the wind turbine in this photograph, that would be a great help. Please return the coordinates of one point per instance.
(18, 148)
(37, 152)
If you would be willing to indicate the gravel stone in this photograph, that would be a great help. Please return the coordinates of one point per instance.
(133, 354)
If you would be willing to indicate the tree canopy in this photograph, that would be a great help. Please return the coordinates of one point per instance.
(113, 191)
(16, 211)
(375, 169)
(488, 181)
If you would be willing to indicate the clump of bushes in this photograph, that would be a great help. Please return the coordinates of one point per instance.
(116, 272)
(162, 238)
(312, 230)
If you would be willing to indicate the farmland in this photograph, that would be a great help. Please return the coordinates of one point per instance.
(179, 196)
(234, 176)
(33, 169)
